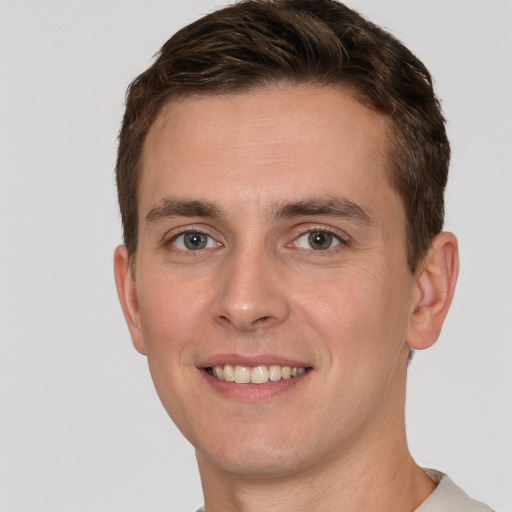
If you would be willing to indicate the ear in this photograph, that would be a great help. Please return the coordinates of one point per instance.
(127, 292)
(435, 286)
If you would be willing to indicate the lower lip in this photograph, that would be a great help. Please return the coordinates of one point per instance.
(253, 392)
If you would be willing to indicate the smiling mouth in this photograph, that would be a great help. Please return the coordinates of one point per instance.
(259, 374)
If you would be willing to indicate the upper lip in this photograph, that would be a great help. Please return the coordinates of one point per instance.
(251, 361)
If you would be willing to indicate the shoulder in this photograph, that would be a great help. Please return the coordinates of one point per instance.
(448, 497)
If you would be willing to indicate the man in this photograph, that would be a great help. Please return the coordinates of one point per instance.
(281, 172)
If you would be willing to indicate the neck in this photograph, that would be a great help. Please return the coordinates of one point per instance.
(395, 484)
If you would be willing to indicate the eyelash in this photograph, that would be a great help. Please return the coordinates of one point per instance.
(341, 240)
(171, 241)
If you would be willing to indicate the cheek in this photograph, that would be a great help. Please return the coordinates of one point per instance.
(170, 310)
(171, 326)
(361, 313)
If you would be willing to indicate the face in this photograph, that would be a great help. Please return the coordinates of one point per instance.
(270, 240)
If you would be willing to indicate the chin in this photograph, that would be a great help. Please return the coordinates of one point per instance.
(257, 453)
(252, 462)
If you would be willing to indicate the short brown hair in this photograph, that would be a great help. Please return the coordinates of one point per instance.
(256, 43)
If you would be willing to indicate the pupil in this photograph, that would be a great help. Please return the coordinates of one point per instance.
(195, 241)
(320, 240)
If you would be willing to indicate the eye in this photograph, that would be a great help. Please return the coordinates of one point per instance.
(194, 241)
(317, 240)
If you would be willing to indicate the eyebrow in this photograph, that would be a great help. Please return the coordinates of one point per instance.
(174, 207)
(332, 206)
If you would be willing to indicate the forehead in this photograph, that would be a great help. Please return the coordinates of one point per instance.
(280, 142)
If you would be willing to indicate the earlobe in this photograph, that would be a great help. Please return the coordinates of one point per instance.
(435, 286)
(127, 293)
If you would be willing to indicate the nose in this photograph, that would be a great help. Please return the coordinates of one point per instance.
(251, 294)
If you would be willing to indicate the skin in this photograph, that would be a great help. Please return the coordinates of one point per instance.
(335, 439)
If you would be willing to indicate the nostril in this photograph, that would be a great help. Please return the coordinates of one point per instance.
(223, 319)
(262, 320)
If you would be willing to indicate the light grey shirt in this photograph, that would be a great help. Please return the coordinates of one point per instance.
(446, 498)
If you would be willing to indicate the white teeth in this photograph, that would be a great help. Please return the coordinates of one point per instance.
(257, 375)
(242, 374)
(274, 372)
(229, 373)
(218, 372)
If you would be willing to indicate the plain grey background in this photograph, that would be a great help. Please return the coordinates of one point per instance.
(81, 428)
